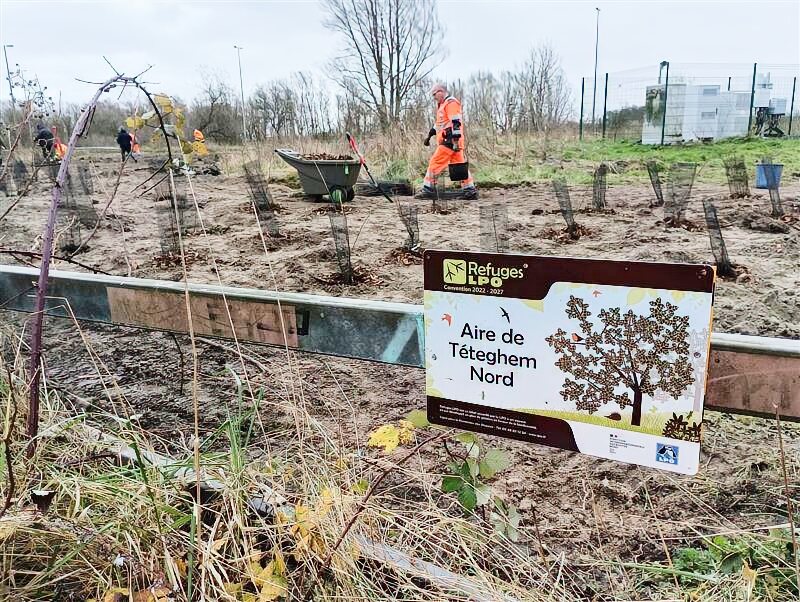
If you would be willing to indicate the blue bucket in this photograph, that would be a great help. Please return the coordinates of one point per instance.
(761, 174)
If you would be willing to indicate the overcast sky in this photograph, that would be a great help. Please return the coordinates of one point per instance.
(62, 40)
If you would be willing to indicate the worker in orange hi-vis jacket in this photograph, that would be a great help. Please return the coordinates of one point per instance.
(198, 136)
(450, 138)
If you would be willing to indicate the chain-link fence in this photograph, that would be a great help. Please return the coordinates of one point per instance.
(673, 103)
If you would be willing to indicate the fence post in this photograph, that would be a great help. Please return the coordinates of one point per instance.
(605, 101)
(791, 110)
(580, 122)
(752, 99)
(729, 83)
(664, 114)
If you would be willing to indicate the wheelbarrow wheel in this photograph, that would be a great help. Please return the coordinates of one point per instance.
(338, 195)
(351, 194)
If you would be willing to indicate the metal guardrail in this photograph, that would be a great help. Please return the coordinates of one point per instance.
(747, 374)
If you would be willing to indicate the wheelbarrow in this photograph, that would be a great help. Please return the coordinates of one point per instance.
(318, 177)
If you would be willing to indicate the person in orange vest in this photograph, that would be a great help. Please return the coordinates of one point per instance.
(198, 136)
(449, 132)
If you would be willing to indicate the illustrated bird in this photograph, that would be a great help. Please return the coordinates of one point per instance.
(505, 315)
(576, 337)
(448, 318)
(596, 293)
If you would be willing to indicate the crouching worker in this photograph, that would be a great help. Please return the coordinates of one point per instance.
(450, 139)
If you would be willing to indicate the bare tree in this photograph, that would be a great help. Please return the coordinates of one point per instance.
(390, 46)
(542, 91)
(213, 112)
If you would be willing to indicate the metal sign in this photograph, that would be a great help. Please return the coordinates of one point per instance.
(608, 358)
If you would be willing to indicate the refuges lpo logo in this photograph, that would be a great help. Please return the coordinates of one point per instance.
(455, 271)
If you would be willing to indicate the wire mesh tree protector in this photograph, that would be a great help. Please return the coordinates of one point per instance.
(85, 177)
(341, 240)
(409, 215)
(736, 173)
(565, 205)
(173, 217)
(261, 198)
(655, 180)
(78, 198)
(69, 224)
(599, 187)
(680, 180)
(772, 186)
(494, 228)
(21, 174)
(724, 265)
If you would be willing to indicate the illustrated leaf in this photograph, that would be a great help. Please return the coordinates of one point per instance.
(635, 295)
(450, 484)
(678, 295)
(418, 418)
(494, 461)
(386, 436)
(467, 497)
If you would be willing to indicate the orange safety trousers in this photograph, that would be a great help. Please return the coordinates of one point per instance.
(440, 159)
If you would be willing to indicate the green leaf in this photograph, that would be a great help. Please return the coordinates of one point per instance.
(465, 472)
(494, 461)
(467, 497)
(467, 438)
(418, 418)
(483, 493)
(731, 564)
(474, 467)
(450, 484)
(361, 487)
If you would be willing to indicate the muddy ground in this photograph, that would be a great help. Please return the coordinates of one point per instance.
(585, 507)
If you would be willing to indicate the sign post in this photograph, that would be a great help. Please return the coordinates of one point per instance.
(607, 358)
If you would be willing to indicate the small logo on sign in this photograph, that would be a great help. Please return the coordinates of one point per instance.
(667, 453)
(455, 271)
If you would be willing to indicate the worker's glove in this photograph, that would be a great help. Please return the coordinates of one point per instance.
(431, 134)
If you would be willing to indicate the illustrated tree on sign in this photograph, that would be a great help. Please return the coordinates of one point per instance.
(645, 354)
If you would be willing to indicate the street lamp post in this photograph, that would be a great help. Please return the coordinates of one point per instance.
(8, 72)
(241, 88)
(596, 45)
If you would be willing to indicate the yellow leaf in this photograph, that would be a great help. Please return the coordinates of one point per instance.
(232, 588)
(180, 564)
(200, 149)
(386, 436)
(217, 545)
(116, 594)
(749, 575)
(406, 434)
(275, 588)
(635, 295)
(325, 502)
(341, 464)
(248, 597)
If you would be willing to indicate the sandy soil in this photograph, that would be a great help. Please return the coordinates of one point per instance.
(585, 506)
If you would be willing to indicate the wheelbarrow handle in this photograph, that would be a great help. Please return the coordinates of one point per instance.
(353, 145)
